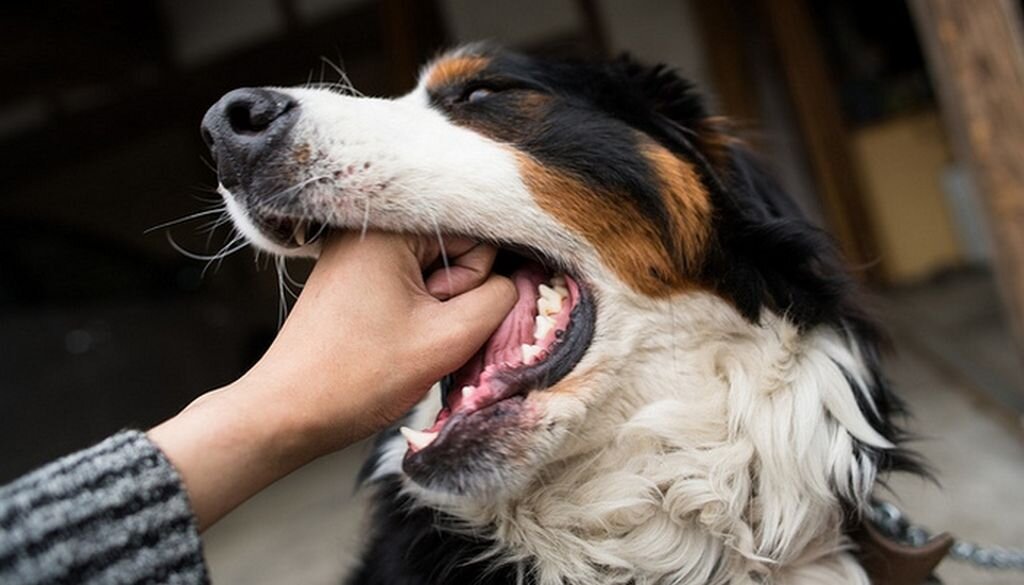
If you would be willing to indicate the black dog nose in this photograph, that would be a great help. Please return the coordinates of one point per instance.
(245, 126)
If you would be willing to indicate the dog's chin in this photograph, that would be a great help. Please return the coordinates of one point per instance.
(492, 457)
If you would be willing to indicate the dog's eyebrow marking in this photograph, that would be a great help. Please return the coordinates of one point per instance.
(451, 70)
(687, 202)
(627, 241)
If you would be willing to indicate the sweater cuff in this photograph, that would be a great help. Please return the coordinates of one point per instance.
(114, 513)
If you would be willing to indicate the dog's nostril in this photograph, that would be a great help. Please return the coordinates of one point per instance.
(253, 111)
(242, 121)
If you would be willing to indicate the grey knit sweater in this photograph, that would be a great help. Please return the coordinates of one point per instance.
(114, 513)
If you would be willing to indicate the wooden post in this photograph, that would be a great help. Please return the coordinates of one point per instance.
(975, 51)
(819, 114)
(736, 93)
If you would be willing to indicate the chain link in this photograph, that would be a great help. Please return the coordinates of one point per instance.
(894, 524)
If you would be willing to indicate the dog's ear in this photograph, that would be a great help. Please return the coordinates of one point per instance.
(766, 254)
(667, 93)
(678, 103)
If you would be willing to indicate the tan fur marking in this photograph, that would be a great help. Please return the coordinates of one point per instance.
(628, 242)
(454, 69)
(687, 203)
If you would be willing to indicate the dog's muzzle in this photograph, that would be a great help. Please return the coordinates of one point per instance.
(244, 129)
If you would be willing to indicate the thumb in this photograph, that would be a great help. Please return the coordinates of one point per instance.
(473, 316)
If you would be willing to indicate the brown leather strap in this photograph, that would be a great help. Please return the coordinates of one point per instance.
(889, 562)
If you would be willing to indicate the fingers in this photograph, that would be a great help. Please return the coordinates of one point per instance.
(467, 270)
(471, 317)
(469, 262)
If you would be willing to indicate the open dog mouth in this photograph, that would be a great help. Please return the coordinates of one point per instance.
(539, 342)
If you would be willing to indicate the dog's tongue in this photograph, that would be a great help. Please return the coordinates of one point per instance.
(516, 330)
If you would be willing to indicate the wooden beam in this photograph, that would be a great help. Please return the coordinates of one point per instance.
(594, 27)
(413, 31)
(823, 128)
(722, 29)
(975, 52)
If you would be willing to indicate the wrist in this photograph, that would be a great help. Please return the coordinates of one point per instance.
(267, 412)
(227, 447)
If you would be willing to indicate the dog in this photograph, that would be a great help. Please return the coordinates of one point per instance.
(687, 390)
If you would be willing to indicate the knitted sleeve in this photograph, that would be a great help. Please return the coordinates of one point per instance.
(114, 513)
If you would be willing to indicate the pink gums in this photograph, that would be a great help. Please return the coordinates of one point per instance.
(502, 351)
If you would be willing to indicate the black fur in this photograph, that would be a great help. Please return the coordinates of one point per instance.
(410, 546)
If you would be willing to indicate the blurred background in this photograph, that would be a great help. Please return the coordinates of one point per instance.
(859, 104)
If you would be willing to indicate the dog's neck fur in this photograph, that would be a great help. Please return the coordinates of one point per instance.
(728, 458)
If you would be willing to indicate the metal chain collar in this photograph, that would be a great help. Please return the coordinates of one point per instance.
(894, 524)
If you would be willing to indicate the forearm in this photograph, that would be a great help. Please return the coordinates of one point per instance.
(231, 443)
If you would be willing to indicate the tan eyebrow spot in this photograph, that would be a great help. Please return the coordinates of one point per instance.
(454, 69)
(687, 202)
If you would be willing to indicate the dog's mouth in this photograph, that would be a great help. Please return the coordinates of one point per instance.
(539, 342)
(289, 232)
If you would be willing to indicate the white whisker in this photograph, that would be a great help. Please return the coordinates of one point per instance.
(235, 239)
(189, 217)
(366, 219)
(444, 254)
(282, 303)
(221, 254)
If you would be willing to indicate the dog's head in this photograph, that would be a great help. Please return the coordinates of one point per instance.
(639, 234)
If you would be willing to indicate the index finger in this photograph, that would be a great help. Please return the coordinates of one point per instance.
(465, 271)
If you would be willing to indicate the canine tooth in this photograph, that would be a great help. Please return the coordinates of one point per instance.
(418, 439)
(547, 292)
(467, 391)
(300, 233)
(562, 290)
(543, 326)
(549, 305)
(530, 353)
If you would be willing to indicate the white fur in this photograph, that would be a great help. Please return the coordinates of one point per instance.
(695, 447)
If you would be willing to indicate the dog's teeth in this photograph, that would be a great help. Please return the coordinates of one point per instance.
(418, 439)
(551, 299)
(547, 292)
(543, 326)
(548, 306)
(559, 286)
(467, 392)
(530, 353)
(300, 233)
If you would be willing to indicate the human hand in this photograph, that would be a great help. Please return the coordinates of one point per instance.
(367, 337)
(369, 334)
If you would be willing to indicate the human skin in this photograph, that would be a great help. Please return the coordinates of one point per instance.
(367, 337)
